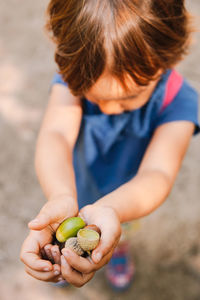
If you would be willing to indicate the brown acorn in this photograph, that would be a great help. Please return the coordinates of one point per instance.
(93, 227)
(73, 244)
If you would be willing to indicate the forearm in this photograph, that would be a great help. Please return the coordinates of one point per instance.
(151, 186)
(138, 197)
(54, 166)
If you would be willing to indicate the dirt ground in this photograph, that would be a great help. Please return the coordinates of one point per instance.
(166, 240)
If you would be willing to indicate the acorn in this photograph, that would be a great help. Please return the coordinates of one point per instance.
(88, 239)
(93, 227)
(73, 244)
(69, 228)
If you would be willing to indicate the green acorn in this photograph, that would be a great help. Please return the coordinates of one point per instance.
(69, 228)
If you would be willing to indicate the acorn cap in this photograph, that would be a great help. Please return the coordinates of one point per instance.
(88, 239)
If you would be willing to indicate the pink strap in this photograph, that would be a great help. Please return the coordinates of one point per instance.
(173, 86)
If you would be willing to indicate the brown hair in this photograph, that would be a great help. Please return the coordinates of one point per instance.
(134, 37)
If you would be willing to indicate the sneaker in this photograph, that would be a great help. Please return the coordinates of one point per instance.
(120, 270)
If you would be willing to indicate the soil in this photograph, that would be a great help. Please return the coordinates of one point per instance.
(166, 242)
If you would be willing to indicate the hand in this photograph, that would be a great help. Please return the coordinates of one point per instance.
(54, 212)
(78, 270)
(32, 256)
(33, 249)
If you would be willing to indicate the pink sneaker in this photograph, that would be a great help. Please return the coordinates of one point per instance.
(120, 269)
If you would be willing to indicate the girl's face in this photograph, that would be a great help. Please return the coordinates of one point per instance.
(111, 98)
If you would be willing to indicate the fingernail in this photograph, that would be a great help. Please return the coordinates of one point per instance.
(60, 278)
(98, 257)
(56, 272)
(46, 269)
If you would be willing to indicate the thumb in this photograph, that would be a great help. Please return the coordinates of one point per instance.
(40, 222)
(46, 216)
(107, 243)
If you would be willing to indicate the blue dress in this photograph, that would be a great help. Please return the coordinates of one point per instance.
(110, 148)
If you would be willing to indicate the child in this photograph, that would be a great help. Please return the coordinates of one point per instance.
(116, 129)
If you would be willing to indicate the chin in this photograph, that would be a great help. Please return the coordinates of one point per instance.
(113, 113)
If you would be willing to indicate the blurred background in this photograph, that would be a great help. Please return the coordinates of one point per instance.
(166, 246)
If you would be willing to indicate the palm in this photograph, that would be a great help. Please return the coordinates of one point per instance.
(44, 236)
(36, 240)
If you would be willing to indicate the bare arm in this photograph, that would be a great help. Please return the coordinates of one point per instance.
(56, 140)
(154, 180)
(54, 168)
(135, 199)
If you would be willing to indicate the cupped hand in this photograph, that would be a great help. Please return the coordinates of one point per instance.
(78, 270)
(54, 212)
(43, 228)
(32, 256)
(108, 222)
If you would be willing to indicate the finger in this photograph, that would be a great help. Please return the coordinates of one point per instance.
(79, 263)
(57, 279)
(110, 229)
(30, 256)
(72, 276)
(60, 278)
(43, 220)
(31, 259)
(43, 254)
(55, 251)
(48, 252)
(85, 265)
(45, 276)
(109, 240)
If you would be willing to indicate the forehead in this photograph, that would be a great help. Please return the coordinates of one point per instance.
(108, 87)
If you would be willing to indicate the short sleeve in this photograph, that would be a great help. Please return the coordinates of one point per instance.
(57, 78)
(184, 107)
